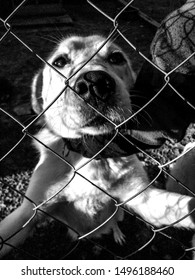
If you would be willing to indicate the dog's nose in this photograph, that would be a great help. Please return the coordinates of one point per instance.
(96, 84)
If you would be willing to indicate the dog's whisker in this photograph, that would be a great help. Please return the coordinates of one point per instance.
(125, 28)
(144, 114)
(114, 37)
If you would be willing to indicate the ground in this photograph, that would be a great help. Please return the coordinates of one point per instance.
(17, 67)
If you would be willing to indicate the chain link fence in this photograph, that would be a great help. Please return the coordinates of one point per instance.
(140, 232)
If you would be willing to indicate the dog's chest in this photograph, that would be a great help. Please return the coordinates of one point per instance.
(93, 185)
(94, 188)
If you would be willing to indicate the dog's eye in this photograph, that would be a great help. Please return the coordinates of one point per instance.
(116, 58)
(60, 61)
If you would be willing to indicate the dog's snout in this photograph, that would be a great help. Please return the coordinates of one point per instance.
(96, 84)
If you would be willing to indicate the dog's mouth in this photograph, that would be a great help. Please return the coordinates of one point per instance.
(101, 139)
(113, 144)
(109, 135)
(150, 139)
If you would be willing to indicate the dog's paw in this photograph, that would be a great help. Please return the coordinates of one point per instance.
(119, 237)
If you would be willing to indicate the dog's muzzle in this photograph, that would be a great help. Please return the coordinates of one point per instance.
(97, 88)
(94, 86)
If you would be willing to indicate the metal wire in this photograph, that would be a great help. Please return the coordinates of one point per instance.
(76, 171)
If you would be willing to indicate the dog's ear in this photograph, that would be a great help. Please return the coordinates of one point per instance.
(36, 97)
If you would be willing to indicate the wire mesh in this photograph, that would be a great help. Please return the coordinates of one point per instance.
(151, 233)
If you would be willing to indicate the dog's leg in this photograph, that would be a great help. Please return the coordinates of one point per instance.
(49, 170)
(160, 207)
(156, 206)
(183, 171)
(13, 230)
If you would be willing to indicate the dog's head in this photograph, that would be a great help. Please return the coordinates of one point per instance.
(91, 88)
(102, 84)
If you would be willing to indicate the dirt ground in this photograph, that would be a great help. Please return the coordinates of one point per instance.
(17, 67)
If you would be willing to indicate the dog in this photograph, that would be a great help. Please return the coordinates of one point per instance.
(82, 99)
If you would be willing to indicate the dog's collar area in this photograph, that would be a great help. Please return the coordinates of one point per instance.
(91, 145)
(119, 147)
